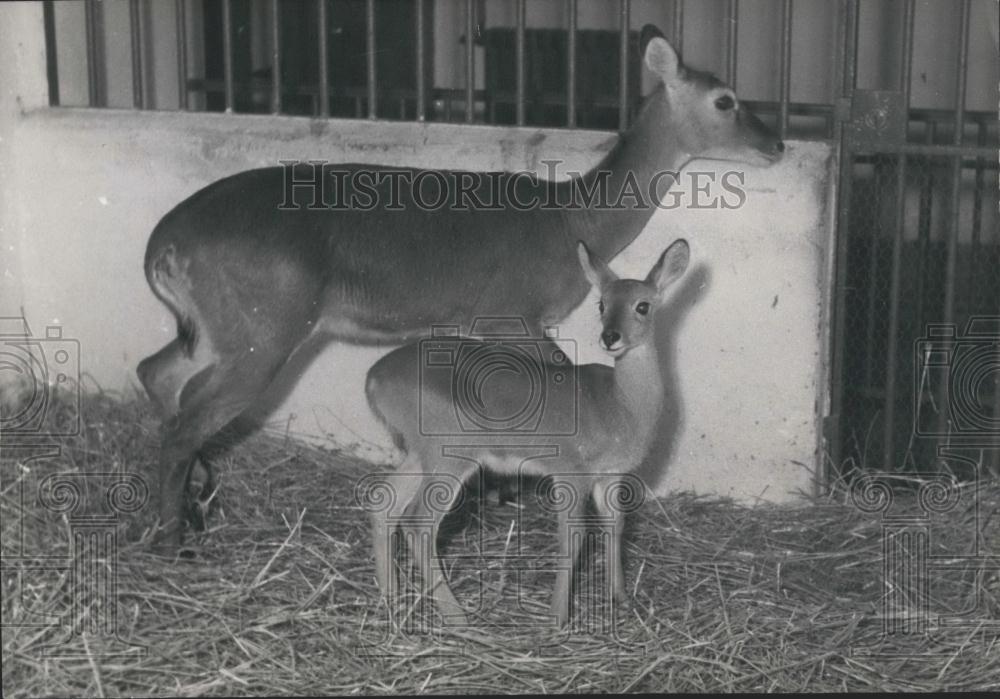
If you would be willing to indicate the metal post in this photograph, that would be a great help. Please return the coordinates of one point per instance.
(227, 52)
(889, 411)
(370, 56)
(571, 66)
(625, 6)
(51, 55)
(182, 90)
(421, 65)
(93, 14)
(324, 54)
(956, 190)
(677, 28)
(786, 66)
(470, 60)
(135, 47)
(275, 57)
(519, 37)
(732, 20)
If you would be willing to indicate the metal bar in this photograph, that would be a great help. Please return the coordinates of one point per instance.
(939, 149)
(954, 210)
(275, 57)
(227, 52)
(51, 55)
(961, 79)
(786, 66)
(135, 47)
(370, 56)
(519, 37)
(892, 343)
(925, 213)
(324, 55)
(182, 90)
(421, 65)
(732, 19)
(851, 50)
(470, 60)
(906, 60)
(571, 66)
(677, 28)
(625, 7)
(835, 431)
(91, 18)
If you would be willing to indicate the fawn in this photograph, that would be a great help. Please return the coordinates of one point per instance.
(616, 411)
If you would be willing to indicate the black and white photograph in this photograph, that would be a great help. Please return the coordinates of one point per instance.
(378, 347)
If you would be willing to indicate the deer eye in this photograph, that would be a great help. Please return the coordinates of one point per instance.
(642, 308)
(725, 103)
(600, 306)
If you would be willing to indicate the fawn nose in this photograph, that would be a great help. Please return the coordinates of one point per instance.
(779, 147)
(610, 337)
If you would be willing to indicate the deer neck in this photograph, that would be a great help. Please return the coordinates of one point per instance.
(639, 391)
(652, 146)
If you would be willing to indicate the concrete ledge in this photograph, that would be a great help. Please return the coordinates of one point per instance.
(88, 187)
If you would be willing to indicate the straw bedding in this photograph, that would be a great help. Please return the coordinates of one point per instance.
(279, 597)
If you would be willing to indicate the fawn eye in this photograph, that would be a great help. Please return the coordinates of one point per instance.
(600, 306)
(725, 103)
(642, 308)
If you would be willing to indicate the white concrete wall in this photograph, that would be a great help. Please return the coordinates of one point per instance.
(83, 189)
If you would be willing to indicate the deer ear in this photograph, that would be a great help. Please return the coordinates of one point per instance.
(670, 266)
(662, 60)
(597, 273)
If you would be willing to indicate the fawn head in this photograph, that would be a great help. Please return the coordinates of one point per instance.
(706, 112)
(628, 306)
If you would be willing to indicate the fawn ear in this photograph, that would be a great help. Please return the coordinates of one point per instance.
(661, 57)
(670, 266)
(597, 273)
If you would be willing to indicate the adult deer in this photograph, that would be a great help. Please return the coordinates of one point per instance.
(614, 410)
(250, 281)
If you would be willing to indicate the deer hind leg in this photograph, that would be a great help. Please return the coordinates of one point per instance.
(403, 486)
(209, 402)
(437, 494)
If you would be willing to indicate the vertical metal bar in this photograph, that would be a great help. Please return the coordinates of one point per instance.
(889, 411)
(51, 55)
(182, 90)
(906, 63)
(227, 52)
(571, 66)
(324, 55)
(677, 29)
(925, 214)
(519, 52)
(421, 64)
(892, 343)
(786, 66)
(834, 433)
(732, 20)
(91, 15)
(135, 47)
(956, 189)
(961, 78)
(275, 57)
(625, 7)
(370, 56)
(470, 60)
